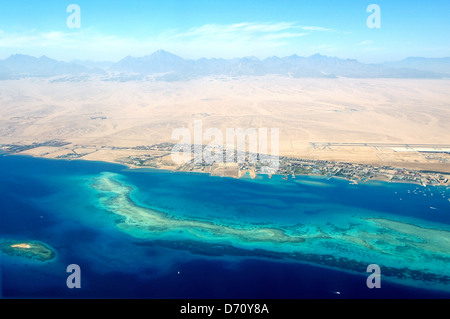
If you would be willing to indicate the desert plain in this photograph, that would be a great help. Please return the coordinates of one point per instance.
(398, 122)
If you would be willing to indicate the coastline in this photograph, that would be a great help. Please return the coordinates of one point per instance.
(239, 173)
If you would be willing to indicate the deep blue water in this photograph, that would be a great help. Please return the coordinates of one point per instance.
(51, 201)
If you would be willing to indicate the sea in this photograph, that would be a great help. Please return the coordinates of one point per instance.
(58, 203)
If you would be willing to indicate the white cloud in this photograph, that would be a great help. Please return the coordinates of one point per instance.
(366, 42)
(317, 29)
(244, 31)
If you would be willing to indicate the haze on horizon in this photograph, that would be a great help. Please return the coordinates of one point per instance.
(112, 30)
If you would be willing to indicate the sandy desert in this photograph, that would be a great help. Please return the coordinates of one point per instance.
(400, 122)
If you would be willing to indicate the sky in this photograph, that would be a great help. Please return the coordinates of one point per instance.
(111, 30)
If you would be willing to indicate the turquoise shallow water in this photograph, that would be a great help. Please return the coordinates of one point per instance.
(326, 233)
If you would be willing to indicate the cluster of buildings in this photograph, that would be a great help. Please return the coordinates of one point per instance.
(235, 163)
(361, 172)
(291, 166)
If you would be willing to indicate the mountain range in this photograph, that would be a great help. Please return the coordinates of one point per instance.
(163, 65)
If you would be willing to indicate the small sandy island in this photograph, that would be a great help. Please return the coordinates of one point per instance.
(31, 249)
(25, 246)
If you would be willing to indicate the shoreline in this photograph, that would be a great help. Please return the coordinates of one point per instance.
(247, 174)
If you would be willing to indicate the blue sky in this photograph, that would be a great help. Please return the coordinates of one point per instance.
(111, 30)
